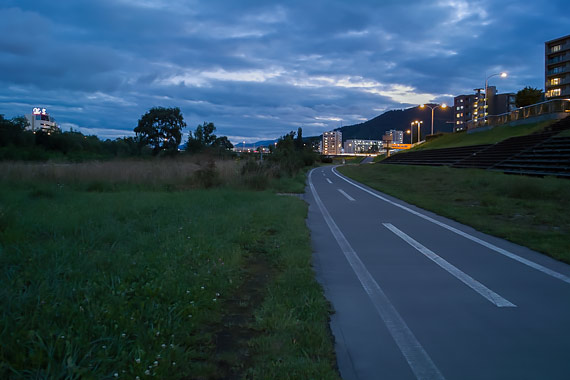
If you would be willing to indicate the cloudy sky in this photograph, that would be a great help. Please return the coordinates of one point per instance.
(259, 69)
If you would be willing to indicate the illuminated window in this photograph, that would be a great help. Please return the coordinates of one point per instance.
(554, 81)
(556, 92)
(555, 48)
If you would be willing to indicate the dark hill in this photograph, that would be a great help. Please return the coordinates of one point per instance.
(397, 119)
(400, 120)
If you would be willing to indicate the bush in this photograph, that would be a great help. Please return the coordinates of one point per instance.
(207, 176)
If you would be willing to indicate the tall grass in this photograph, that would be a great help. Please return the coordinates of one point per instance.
(148, 172)
(173, 173)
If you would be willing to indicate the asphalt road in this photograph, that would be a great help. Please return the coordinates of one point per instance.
(420, 296)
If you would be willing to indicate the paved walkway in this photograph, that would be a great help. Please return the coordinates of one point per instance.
(418, 296)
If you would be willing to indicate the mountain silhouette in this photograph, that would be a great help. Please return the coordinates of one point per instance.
(400, 120)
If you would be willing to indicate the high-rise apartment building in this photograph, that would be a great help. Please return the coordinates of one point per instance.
(557, 68)
(332, 142)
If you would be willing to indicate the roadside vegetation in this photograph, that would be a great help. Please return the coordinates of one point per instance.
(177, 266)
(204, 284)
(526, 210)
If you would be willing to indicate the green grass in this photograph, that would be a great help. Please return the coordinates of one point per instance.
(106, 282)
(491, 136)
(526, 210)
(379, 158)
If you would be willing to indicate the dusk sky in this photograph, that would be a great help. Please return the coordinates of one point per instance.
(259, 69)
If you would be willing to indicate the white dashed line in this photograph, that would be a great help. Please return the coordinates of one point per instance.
(418, 359)
(346, 195)
(485, 292)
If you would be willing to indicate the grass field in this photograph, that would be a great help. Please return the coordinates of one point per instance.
(490, 136)
(526, 210)
(135, 281)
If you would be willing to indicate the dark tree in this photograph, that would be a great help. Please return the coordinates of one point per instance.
(11, 131)
(161, 128)
(299, 139)
(528, 96)
(204, 138)
(222, 143)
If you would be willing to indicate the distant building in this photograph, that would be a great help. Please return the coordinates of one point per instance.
(397, 136)
(40, 120)
(362, 146)
(557, 68)
(472, 107)
(463, 107)
(332, 142)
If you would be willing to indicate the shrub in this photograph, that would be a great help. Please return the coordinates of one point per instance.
(207, 176)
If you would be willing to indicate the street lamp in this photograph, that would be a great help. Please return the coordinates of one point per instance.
(502, 75)
(442, 106)
(409, 132)
(419, 123)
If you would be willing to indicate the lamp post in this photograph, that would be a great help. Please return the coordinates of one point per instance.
(409, 132)
(502, 75)
(419, 123)
(442, 106)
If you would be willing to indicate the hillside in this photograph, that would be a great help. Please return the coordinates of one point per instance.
(375, 128)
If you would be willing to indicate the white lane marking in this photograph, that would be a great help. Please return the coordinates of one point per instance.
(502, 251)
(487, 293)
(329, 181)
(346, 195)
(417, 358)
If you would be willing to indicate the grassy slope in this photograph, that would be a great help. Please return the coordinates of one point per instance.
(526, 210)
(95, 284)
(486, 137)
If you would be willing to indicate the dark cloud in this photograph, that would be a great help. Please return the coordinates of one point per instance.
(258, 68)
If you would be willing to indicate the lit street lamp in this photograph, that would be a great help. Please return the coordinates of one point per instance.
(419, 123)
(502, 75)
(442, 106)
(409, 132)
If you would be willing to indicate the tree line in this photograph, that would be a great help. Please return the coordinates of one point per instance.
(161, 129)
(158, 132)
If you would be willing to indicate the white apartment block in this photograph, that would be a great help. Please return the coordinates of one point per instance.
(332, 143)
